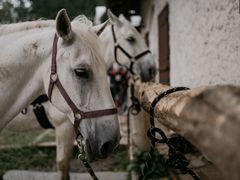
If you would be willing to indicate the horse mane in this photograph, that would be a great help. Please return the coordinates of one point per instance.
(24, 26)
(83, 19)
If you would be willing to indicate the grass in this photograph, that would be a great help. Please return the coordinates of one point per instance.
(20, 151)
(44, 158)
(26, 158)
(16, 139)
(120, 161)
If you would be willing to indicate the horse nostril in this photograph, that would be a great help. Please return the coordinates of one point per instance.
(106, 149)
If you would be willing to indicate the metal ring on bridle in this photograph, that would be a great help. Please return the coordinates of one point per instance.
(54, 77)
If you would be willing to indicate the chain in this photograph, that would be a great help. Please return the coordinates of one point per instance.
(83, 157)
(175, 159)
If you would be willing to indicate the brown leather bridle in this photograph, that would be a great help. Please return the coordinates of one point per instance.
(78, 114)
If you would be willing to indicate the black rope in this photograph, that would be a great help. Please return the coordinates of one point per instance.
(133, 109)
(89, 169)
(175, 159)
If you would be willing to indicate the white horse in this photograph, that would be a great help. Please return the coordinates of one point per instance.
(25, 68)
(128, 37)
(124, 45)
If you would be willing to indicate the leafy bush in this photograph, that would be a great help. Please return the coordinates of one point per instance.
(158, 167)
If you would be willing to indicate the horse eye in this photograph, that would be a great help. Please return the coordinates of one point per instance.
(131, 39)
(82, 73)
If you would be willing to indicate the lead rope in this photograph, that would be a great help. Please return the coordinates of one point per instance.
(133, 109)
(83, 156)
(175, 159)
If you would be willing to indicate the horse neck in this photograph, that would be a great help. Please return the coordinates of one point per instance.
(24, 60)
(107, 39)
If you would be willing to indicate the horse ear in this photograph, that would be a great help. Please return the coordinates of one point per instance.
(100, 28)
(122, 17)
(114, 18)
(63, 25)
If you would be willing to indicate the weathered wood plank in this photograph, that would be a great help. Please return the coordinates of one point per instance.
(209, 117)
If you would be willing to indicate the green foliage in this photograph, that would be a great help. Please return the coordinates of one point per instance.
(17, 139)
(5, 12)
(158, 167)
(120, 161)
(46, 9)
(26, 158)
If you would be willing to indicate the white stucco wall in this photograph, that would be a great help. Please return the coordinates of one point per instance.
(204, 42)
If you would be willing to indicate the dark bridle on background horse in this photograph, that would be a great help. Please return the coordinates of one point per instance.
(135, 107)
(132, 58)
(79, 115)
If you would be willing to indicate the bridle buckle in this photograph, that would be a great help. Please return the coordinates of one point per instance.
(54, 77)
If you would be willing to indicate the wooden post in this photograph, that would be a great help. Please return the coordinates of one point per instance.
(139, 124)
(209, 117)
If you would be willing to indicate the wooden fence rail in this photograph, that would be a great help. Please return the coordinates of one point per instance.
(209, 117)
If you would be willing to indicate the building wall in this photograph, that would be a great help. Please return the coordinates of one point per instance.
(204, 40)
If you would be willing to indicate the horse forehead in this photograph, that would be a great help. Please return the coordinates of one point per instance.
(87, 40)
(129, 30)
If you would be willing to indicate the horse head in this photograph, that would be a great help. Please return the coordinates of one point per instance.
(130, 49)
(82, 73)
